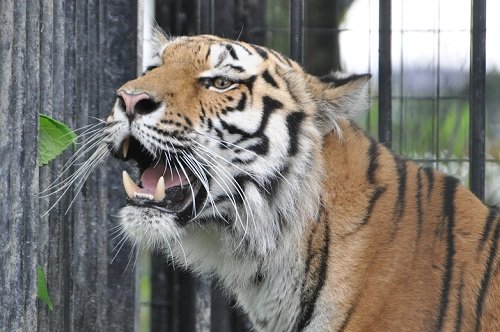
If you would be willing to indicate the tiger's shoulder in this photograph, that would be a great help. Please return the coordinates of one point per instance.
(409, 237)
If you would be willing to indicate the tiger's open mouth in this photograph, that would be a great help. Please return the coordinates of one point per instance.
(165, 182)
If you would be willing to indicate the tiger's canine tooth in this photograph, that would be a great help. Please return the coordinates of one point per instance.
(130, 186)
(126, 143)
(160, 190)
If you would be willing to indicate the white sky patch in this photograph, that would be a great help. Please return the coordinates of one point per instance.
(145, 35)
(423, 33)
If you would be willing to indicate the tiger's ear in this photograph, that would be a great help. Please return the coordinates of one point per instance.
(339, 96)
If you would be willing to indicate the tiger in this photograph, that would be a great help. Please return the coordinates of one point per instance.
(252, 172)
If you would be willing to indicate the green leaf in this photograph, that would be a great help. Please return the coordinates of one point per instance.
(54, 137)
(42, 292)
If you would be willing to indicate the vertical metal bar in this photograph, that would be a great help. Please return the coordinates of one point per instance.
(205, 16)
(297, 30)
(477, 98)
(179, 18)
(203, 306)
(221, 314)
(160, 310)
(184, 311)
(385, 74)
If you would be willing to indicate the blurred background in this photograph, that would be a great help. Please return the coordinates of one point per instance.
(429, 92)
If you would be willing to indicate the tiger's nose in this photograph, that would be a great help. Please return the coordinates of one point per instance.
(134, 104)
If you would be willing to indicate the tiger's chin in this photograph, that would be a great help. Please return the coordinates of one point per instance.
(150, 228)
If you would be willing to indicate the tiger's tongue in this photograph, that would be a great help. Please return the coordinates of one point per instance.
(151, 175)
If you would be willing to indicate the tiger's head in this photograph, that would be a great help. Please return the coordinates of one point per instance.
(227, 139)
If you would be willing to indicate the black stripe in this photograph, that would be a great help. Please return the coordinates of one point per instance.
(430, 180)
(369, 210)
(217, 219)
(420, 213)
(337, 81)
(269, 106)
(238, 160)
(239, 69)
(348, 317)
(249, 82)
(183, 217)
(268, 187)
(242, 103)
(149, 68)
(314, 277)
(240, 182)
(236, 197)
(232, 52)
(262, 52)
(188, 121)
(400, 165)
(372, 164)
(235, 130)
(221, 59)
(203, 115)
(206, 37)
(290, 88)
(163, 132)
(293, 122)
(450, 185)
(401, 169)
(485, 282)
(280, 57)
(269, 78)
(459, 310)
(208, 53)
(220, 135)
(487, 228)
(371, 204)
(261, 148)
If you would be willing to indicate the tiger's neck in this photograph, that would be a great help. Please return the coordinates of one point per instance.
(263, 265)
(280, 285)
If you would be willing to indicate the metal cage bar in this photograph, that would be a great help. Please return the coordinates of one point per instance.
(297, 30)
(205, 16)
(385, 74)
(477, 98)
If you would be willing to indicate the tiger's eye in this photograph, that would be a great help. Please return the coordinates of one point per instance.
(222, 83)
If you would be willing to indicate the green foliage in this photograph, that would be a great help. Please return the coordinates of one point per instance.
(54, 137)
(42, 292)
(454, 133)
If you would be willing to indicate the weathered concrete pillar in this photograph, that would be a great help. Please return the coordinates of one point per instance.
(64, 59)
